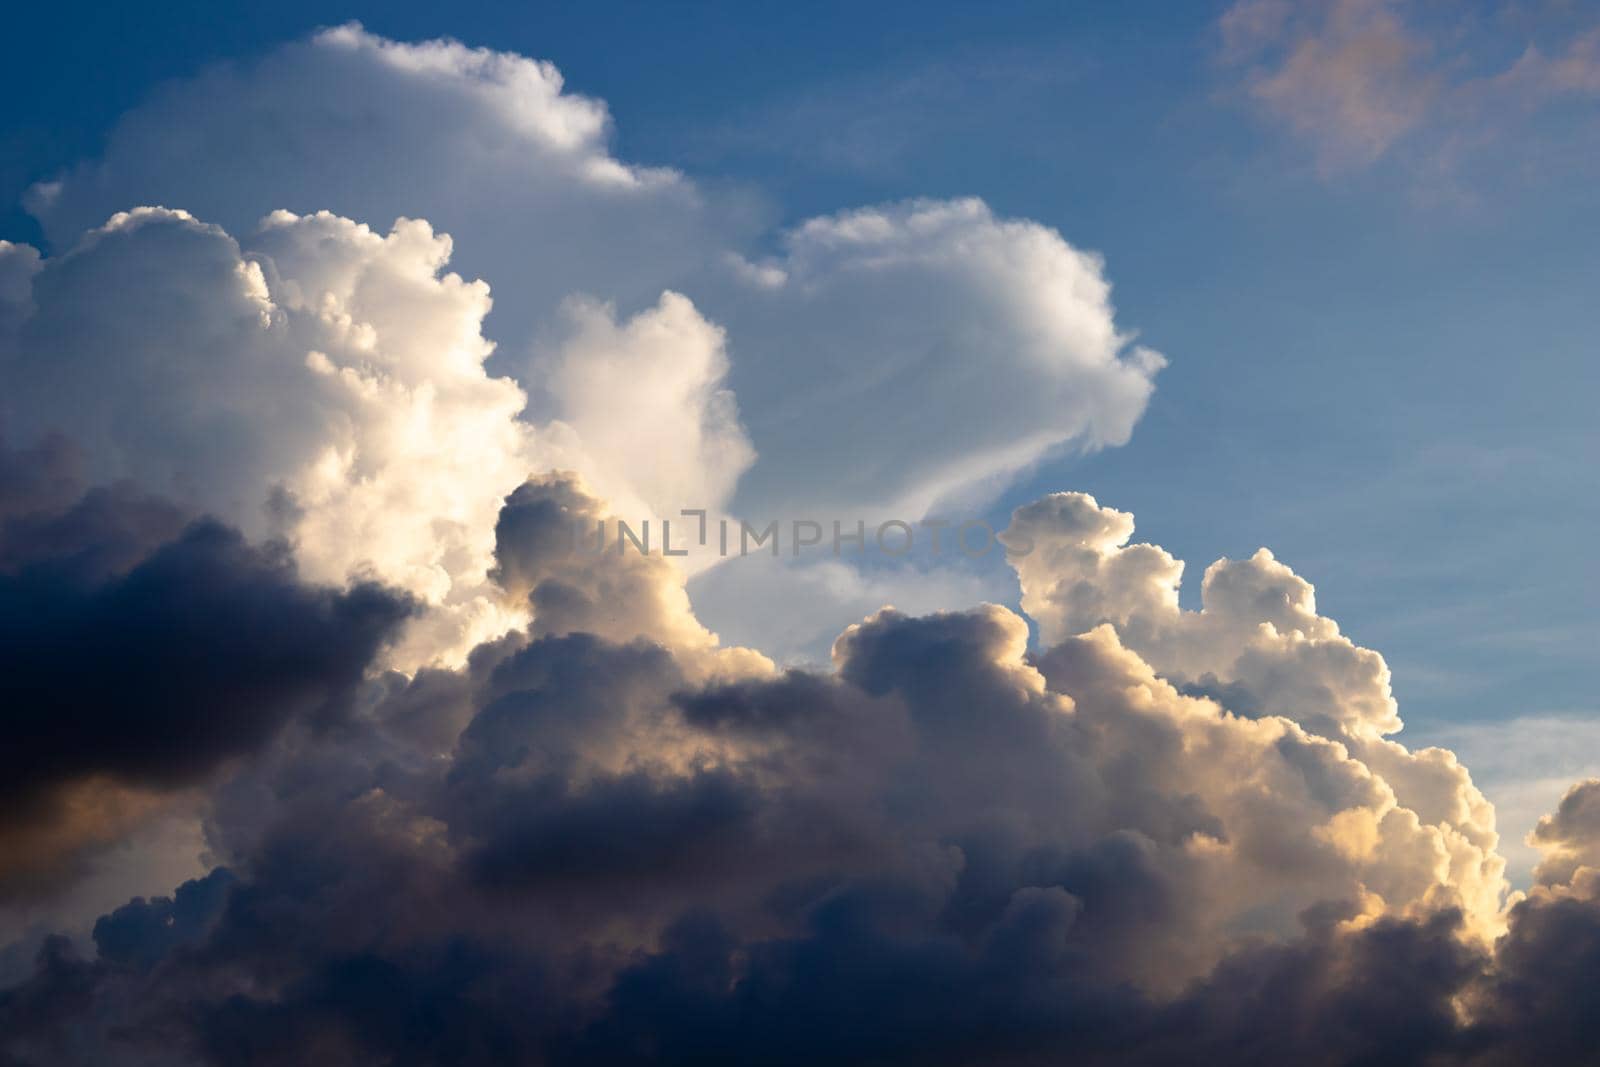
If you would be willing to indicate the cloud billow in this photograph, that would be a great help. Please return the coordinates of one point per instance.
(142, 650)
(950, 849)
(284, 556)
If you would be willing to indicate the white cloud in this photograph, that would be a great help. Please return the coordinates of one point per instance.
(326, 385)
(878, 362)
(925, 351)
(647, 399)
(488, 146)
(1198, 778)
(1259, 648)
(1524, 765)
(883, 358)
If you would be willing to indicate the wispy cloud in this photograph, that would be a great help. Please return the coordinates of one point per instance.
(1359, 80)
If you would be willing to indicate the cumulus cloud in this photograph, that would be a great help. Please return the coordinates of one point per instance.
(312, 562)
(923, 352)
(326, 387)
(998, 329)
(647, 400)
(1568, 837)
(141, 651)
(482, 143)
(563, 553)
(948, 849)
(1259, 647)
(322, 376)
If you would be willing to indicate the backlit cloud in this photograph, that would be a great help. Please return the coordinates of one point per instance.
(999, 328)
(619, 857)
(293, 589)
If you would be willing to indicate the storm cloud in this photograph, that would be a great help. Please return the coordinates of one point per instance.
(949, 849)
(141, 650)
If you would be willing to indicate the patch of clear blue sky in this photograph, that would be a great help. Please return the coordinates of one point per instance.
(1387, 375)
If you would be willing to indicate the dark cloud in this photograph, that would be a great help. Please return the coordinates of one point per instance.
(140, 933)
(580, 849)
(194, 655)
(558, 549)
(1541, 1003)
(50, 521)
(1570, 836)
(140, 650)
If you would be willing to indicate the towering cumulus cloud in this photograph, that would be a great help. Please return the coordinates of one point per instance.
(1002, 329)
(642, 332)
(292, 559)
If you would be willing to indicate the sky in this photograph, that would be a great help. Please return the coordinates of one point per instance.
(330, 312)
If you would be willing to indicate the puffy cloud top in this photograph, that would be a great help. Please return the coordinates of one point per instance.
(883, 359)
(920, 352)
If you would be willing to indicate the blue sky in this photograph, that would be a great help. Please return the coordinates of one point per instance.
(1381, 331)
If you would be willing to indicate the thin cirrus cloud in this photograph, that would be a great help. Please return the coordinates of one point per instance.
(286, 514)
(1359, 80)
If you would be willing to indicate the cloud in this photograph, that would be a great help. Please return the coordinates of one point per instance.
(561, 552)
(998, 327)
(319, 374)
(111, 677)
(473, 794)
(949, 848)
(481, 143)
(326, 387)
(647, 399)
(873, 378)
(1358, 79)
(1351, 78)
(1568, 837)
(142, 651)
(1259, 647)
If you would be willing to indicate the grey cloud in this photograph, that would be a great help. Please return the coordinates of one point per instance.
(1570, 836)
(141, 650)
(635, 847)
